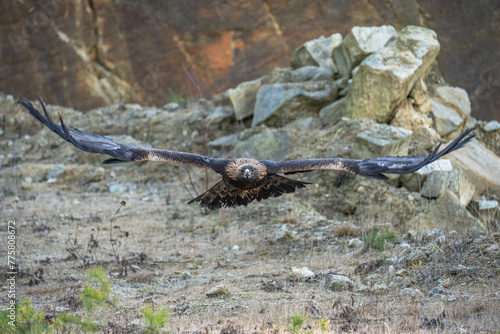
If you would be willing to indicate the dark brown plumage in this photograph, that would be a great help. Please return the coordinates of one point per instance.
(243, 180)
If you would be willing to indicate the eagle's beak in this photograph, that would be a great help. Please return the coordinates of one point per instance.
(247, 173)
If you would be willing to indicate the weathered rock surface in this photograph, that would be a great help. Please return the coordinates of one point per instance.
(312, 73)
(332, 113)
(297, 273)
(414, 181)
(243, 98)
(448, 121)
(219, 114)
(488, 211)
(438, 183)
(338, 282)
(447, 213)
(99, 57)
(455, 98)
(267, 145)
(382, 140)
(278, 104)
(480, 165)
(384, 79)
(218, 291)
(492, 127)
(316, 52)
(358, 44)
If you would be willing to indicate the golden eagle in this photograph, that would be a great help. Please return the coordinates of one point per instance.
(243, 179)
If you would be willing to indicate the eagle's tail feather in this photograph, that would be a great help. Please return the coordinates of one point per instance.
(407, 164)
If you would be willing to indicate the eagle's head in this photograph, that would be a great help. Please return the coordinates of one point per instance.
(247, 173)
(246, 170)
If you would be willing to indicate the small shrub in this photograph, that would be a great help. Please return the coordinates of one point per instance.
(154, 320)
(296, 322)
(323, 325)
(27, 320)
(376, 239)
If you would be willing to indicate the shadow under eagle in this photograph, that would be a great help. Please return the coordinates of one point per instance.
(243, 180)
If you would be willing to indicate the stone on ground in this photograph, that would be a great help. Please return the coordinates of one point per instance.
(488, 211)
(312, 73)
(304, 272)
(492, 126)
(338, 282)
(218, 291)
(445, 213)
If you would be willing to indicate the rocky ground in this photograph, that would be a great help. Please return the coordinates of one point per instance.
(351, 254)
(175, 253)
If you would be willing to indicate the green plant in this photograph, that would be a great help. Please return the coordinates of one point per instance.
(177, 97)
(91, 296)
(67, 320)
(323, 325)
(99, 295)
(26, 320)
(376, 239)
(416, 266)
(224, 224)
(296, 322)
(154, 320)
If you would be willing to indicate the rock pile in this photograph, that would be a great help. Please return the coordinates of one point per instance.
(361, 96)
(376, 73)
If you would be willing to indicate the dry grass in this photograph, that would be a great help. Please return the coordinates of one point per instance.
(166, 240)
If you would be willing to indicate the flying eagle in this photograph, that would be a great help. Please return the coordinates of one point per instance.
(243, 179)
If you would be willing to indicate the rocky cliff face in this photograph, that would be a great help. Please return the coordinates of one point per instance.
(86, 54)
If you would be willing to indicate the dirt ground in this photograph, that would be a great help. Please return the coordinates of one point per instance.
(161, 252)
(171, 254)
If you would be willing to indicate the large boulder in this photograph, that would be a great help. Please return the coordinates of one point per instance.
(267, 145)
(312, 73)
(317, 52)
(480, 165)
(446, 213)
(406, 116)
(438, 183)
(385, 78)
(358, 44)
(243, 97)
(414, 181)
(332, 113)
(455, 98)
(280, 103)
(381, 140)
(449, 123)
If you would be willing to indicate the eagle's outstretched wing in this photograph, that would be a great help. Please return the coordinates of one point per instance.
(94, 143)
(374, 168)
